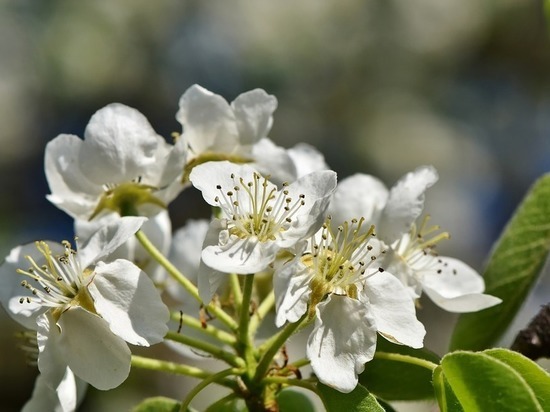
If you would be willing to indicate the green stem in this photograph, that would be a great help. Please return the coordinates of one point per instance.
(244, 336)
(272, 346)
(207, 381)
(245, 308)
(186, 283)
(303, 383)
(264, 308)
(406, 359)
(176, 368)
(294, 365)
(221, 403)
(210, 330)
(215, 351)
(237, 292)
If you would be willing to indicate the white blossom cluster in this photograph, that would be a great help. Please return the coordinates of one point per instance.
(349, 259)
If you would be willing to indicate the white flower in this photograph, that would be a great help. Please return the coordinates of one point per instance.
(257, 219)
(450, 283)
(338, 281)
(213, 127)
(84, 310)
(214, 130)
(121, 166)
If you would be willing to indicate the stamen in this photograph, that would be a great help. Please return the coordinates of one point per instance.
(418, 248)
(340, 258)
(60, 278)
(29, 346)
(255, 208)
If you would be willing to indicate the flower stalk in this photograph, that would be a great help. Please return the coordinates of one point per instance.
(180, 278)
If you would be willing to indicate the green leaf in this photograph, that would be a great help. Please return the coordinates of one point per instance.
(385, 405)
(398, 372)
(358, 400)
(512, 271)
(446, 398)
(293, 401)
(483, 383)
(158, 404)
(536, 377)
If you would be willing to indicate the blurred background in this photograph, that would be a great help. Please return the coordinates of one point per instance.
(378, 86)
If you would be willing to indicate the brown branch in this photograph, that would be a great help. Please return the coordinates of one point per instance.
(534, 340)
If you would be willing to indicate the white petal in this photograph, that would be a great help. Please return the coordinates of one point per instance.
(317, 188)
(358, 196)
(25, 313)
(208, 121)
(185, 254)
(465, 303)
(456, 287)
(306, 159)
(452, 277)
(166, 170)
(207, 176)
(393, 309)
(208, 279)
(71, 189)
(343, 339)
(119, 144)
(127, 299)
(87, 346)
(52, 362)
(405, 202)
(253, 112)
(108, 239)
(273, 161)
(43, 397)
(157, 228)
(60, 398)
(292, 291)
(396, 265)
(241, 256)
(187, 246)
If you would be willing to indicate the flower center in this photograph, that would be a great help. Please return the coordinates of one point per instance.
(417, 247)
(124, 198)
(59, 282)
(339, 260)
(256, 208)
